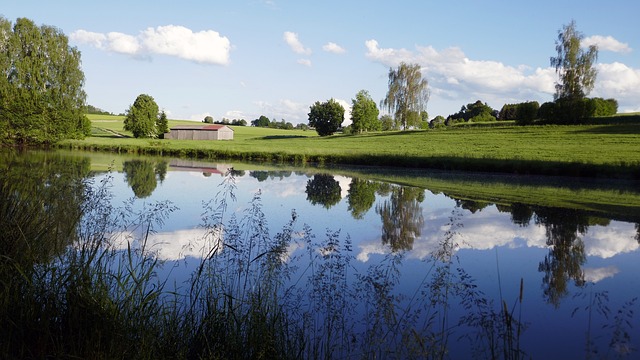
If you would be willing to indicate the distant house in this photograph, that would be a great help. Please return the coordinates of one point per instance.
(200, 132)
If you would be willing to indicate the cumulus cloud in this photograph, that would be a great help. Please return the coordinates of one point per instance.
(294, 43)
(450, 72)
(453, 76)
(618, 81)
(206, 47)
(608, 43)
(333, 48)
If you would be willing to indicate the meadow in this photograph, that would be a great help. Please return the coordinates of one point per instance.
(606, 149)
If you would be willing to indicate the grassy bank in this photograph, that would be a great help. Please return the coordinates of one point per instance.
(608, 150)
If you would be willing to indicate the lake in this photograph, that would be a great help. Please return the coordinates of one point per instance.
(368, 262)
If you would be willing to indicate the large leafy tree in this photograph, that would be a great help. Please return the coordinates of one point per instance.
(142, 117)
(326, 117)
(408, 94)
(364, 113)
(41, 85)
(574, 65)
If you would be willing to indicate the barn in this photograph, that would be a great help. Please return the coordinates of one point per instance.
(200, 132)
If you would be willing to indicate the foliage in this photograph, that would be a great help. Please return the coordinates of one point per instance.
(524, 113)
(601, 107)
(262, 121)
(326, 117)
(473, 112)
(573, 64)
(387, 123)
(162, 124)
(41, 91)
(208, 119)
(407, 96)
(437, 122)
(364, 113)
(142, 116)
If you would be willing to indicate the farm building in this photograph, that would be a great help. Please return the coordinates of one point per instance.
(200, 132)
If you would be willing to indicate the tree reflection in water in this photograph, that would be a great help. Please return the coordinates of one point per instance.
(402, 218)
(143, 175)
(361, 196)
(323, 189)
(566, 253)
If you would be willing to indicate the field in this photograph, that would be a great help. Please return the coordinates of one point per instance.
(596, 150)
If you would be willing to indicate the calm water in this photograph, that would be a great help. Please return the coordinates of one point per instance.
(437, 264)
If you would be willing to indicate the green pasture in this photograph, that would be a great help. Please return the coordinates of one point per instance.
(594, 150)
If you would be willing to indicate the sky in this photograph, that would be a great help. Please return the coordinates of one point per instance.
(245, 58)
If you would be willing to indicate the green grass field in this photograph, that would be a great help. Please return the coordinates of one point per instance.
(595, 150)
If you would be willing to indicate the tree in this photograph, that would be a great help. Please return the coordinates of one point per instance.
(141, 117)
(574, 65)
(326, 117)
(162, 124)
(387, 123)
(473, 112)
(262, 121)
(408, 94)
(208, 119)
(364, 113)
(41, 88)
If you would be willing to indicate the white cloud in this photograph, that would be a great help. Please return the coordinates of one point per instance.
(333, 48)
(608, 43)
(305, 62)
(453, 76)
(618, 81)
(88, 37)
(291, 39)
(121, 43)
(206, 47)
(450, 72)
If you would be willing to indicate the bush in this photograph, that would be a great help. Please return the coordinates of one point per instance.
(437, 122)
(483, 117)
(602, 107)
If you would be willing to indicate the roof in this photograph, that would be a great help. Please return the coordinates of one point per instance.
(214, 127)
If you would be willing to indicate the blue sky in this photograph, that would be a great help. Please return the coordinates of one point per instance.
(246, 58)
